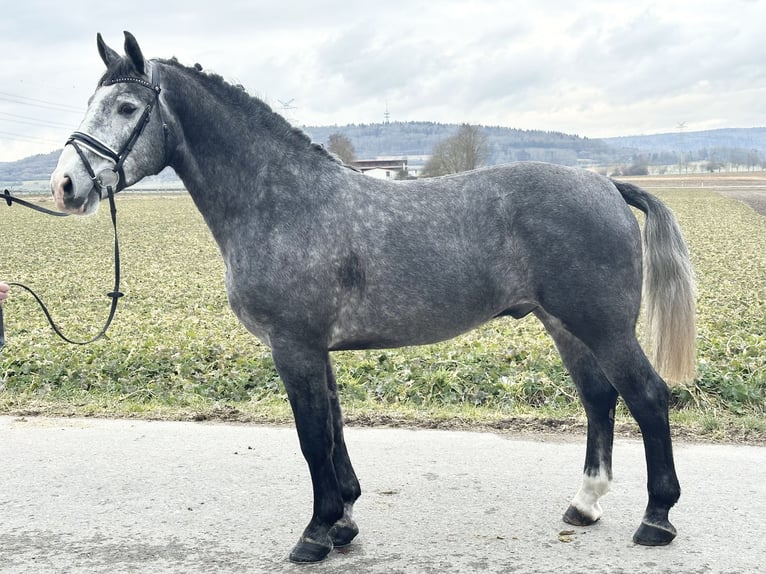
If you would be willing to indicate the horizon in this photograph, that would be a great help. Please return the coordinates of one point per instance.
(340, 127)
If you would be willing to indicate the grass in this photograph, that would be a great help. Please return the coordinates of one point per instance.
(176, 351)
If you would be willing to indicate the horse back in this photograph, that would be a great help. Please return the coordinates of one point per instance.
(448, 254)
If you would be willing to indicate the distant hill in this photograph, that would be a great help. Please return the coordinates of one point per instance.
(506, 144)
(729, 148)
(412, 139)
(30, 168)
(39, 168)
(742, 138)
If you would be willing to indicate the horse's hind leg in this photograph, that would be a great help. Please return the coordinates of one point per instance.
(599, 398)
(647, 397)
(345, 529)
(622, 361)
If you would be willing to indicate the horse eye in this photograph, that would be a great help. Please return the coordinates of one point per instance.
(126, 109)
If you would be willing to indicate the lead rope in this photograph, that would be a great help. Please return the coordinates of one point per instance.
(115, 294)
(103, 150)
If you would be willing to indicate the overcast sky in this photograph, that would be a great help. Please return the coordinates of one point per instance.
(592, 68)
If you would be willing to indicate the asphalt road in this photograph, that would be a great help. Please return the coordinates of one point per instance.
(92, 496)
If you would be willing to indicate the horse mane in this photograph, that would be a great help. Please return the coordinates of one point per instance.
(237, 97)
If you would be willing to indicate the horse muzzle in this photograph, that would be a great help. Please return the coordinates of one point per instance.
(67, 197)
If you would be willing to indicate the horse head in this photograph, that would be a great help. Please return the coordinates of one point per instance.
(122, 137)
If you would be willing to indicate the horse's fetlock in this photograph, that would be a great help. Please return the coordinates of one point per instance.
(665, 493)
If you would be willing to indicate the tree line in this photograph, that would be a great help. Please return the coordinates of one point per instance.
(467, 149)
(711, 160)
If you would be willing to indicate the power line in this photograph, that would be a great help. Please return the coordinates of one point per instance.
(27, 101)
(30, 138)
(33, 121)
(16, 99)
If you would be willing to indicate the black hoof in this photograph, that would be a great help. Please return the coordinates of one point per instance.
(654, 534)
(575, 517)
(309, 551)
(343, 532)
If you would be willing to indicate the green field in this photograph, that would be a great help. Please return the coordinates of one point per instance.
(175, 350)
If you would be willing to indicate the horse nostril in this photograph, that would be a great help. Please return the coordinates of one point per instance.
(66, 186)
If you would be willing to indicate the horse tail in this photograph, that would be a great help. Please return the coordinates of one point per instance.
(669, 290)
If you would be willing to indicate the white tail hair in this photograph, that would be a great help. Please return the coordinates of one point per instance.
(669, 289)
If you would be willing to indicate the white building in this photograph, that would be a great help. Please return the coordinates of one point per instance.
(383, 168)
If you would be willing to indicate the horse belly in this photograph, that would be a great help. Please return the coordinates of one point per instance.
(404, 320)
(358, 335)
(420, 292)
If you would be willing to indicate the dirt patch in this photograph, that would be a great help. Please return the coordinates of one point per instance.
(749, 188)
(700, 180)
(534, 427)
(754, 198)
(575, 428)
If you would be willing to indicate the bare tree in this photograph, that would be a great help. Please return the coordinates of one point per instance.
(435, 166)
(341, 145)
(466, 150)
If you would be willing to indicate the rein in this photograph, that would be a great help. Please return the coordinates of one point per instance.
(115, 294)
(113, 180)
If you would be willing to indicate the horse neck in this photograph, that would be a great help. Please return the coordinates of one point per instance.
(234, 154)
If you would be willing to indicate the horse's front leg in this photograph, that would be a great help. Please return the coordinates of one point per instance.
(303, 370)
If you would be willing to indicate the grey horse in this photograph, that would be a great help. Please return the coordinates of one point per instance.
(320, 258)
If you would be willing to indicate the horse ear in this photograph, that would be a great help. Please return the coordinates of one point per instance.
(134, 52)
(107, 54)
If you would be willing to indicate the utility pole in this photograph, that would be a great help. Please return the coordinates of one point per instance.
(681, 126)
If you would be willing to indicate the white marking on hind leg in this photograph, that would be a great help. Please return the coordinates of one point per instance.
(593, 487)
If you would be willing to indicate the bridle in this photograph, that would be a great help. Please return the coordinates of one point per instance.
(114, 178)
(111, 180)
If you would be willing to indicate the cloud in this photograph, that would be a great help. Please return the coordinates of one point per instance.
(597, 68)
